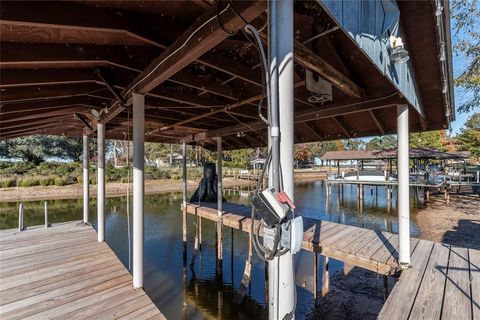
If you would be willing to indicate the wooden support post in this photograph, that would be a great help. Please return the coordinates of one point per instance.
(361, 192)
(428, 194)
(46, 214)
(385, 287)
(20, 217)
(325, 276)
(184, 202)
(200, 233)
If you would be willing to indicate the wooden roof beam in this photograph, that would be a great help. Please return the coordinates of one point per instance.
(201, 37)
(34, 121)
(309, 115)
(313, 62)
(36, 115)
(377, 122)
(313, 130)
(341, 124)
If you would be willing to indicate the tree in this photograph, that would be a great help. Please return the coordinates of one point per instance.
(469, 137)
(353, 144)
(30, 149)
(381, 143)
(66, 148)
(466, 38)
(429, 139)
(303, 153)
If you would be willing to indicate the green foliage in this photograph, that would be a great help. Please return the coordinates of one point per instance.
(469, 137)
(238, 158)
(381, 143)
(29, 149)
(7, 182)
(47, 181)
(66, 148)
(353, 144)
(428, 139)
(60, 181)
(467, 45)
(28, 182)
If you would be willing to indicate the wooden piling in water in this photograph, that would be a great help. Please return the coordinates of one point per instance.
(20, 217)
(325, 276)
(315, 278)
(46, 214)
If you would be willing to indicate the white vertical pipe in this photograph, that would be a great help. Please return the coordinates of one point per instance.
(285, 276)
(403, 186)
(85, 179)
(20, 217)
(138, 187)
(219, 201)
(46, 214)
(220, 177)
(101, 182)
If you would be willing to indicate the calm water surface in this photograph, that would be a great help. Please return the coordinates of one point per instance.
(201, 294)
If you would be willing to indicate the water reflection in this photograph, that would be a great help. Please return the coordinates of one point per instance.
(196, 292)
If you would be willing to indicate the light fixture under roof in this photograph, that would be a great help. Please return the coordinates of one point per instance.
(399, 54)
(95, 113)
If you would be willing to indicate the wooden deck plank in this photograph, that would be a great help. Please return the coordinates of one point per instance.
(457, 301)
(430, 295)
(37, 287)
(474, 256)
(403, 294)
(124, 308)
(46, 272)
(67, 274)
(146, 312)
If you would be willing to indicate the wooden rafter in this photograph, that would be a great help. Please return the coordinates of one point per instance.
(341, 124)
(377, 122)
(309, 115)
(202, 36)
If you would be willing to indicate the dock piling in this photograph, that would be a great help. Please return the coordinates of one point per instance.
(46, 214)
(219, 206)
(100, 182)
(86, 192)
(184, 202)
(20, 217)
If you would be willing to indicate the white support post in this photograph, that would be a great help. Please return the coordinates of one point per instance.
(403, 186)
(281, 269)
(184, 202)
(219, 203)
(101, 182)
(20, 217)
(86, 193)
(46, 213)
(138, 187)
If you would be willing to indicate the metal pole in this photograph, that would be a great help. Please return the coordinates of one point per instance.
(46, 213)
(86, 194)
(20, 217)
(219, 206)
(284, 275)
(138, 187)
(101, 181)
(184, 202)
(403, 186)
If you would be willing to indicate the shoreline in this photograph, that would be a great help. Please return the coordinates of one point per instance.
(112, 189)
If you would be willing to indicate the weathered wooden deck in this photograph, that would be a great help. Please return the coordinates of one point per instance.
(444, 282)
(63, 272)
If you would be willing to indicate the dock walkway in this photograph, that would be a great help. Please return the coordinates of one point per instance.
(444, 280)
(63, 272)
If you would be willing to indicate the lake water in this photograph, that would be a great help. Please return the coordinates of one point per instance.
(201, 294)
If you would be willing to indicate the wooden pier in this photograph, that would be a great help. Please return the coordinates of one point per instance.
(438, 271)
(62, 272)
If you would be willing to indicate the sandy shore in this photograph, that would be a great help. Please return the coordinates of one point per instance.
(113, 189)
(456, 223)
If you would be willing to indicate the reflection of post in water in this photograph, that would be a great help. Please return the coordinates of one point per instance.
(325, 276)
(231, 256)
(360, 205)
(315, 278)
